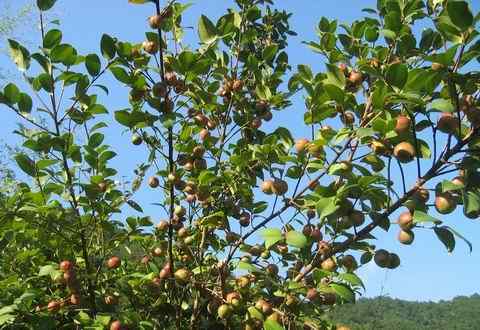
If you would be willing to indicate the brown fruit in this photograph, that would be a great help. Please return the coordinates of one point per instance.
(379, 148)
(204, 134)
(116, 325)
(114, 262)
(256, 123)
(75, 299)
(329, 265)
(102, 187)
(231, 296)
(405, 220)
(237, 85)
(348, 118)
(382, 258)
(153, 182)
(349, 262)
(272, 269)
(245, 219)
(166, 272)
(422, 195)
(162, 225)
(198, 151)
(403, 124)
(312, 294)
(445, 203)
(66, 265)
(267, 187)
(155, 21)
(53, 306)
(308, 229)
(279, 187)
(357, 218)
(355, 77)
(267, 116)
(160, 90)
(447, 123)
(437, 66)
(301, 145)
(406, 237)
(316, 235)
(324, 247)
(110, 300)
(394, 261)
(404, 152)
(151, 47)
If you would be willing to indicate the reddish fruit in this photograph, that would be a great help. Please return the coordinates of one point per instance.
(150, 47)
(160, 90)
(447, 123)
(75, 299)
(204, 134)
(405, 220)
(355, 77)
(404, 152)
(114, 262)
(116, 325)
(301, 145)
(155, 21)
(166, 272)
(329, 265)
(272, 269)
(53, 306)
(256, 123)
(312, 294)
(66, 265)
(445, 203)
(403, 124)
(267, 187)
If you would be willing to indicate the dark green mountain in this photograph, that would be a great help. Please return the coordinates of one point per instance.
(461, 313)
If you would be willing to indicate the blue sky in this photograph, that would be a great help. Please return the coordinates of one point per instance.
(427, 272)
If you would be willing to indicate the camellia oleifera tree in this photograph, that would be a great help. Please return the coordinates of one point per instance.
(262, 229)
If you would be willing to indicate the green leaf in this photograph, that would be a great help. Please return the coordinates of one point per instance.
(296, 239)
(460, 14)
(52, 39)
(326, 206)
(44, 163)
(206, 177)
(93, 65)
(25, 103)
(120, 74)
(448, 185)
(446, 237)
(344, 292)
(271, 236)
(246, 266)
(255, 313)
(442, 105)
(269, 52)
(352, 279)
(95, 140)
(454, 232)
(271, 325)
(19, 55)
(206, 30)
(335, 76)
(45, 5)
(65, 54)
(397, 75)
(335, 93)
(419, 217)
(138, 2)
(107, 46)
(134, 205)
(11, 93)
(26, 164)
(471, 203)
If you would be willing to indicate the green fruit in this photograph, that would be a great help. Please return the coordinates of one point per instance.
(224, 311)
(406, 237)
(137, 139)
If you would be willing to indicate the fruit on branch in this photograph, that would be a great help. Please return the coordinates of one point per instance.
(224, 311)
(237, 85)
(343, 68)
(53, 306)
(160, 90)
(394, 261)
(348, 118)
(256, 123)
(150, 47)
(382, 258)
(357, 218)
(264, 306)
(355, 77)
(66, 265)
(272, 269)
(267, 116)
(324, 247)
(116, 325)
(102, 186)
(110, 300)
(198, 151)
(329, 265)
(267, 187)
(301, 145)
(233, 298)
(422, 195)
(155, 21)
(182, 275)
(114, 262)
(405, 220)
(279, 187)
(447, 123)
(166, 272)
(404, 152)
(445, 203)
(402, 124)
(204, 134)
(437, 66)
(162, 225)
(458, 181)
(153, 182)
(136, 139)
(262, 106)
(312, 294)
(406, 237)
(75, 299)
(349, 262)
(245, 219)
(180, 211)
(315, 149)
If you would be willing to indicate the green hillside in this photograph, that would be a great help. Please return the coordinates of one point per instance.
(461, 313)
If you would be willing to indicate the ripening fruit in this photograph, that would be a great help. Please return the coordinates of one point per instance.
(237, 85)
(301, 145)
(114, 262)
(180, 211)
(224, 311)
(382, 258)
(447, 123)
(355, 77)
(155, 21)
(323, 247)
(53, 306)
(422, 195)
(437, 66)
(348, 118)
(136, 139)
(267, 187)
(198, 152)
(405, 220)
(403, 124)
(182, 275)
(166, 272)
(349, 262)
(404, 152)
(342, 327)
(394, 261)
(272, 269)
(151, 47)
(279, 187)
(329, 265)
(160, 90)
(204, 134)
(102, 187)
(153, 182)
(357, 218)
(162, 225)
(267, 116)
(445, 203)
(312, 294)
(406, 237)
(379, 148)
(116, 325)
(110, 300)
(66, 265)
(75, 299)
